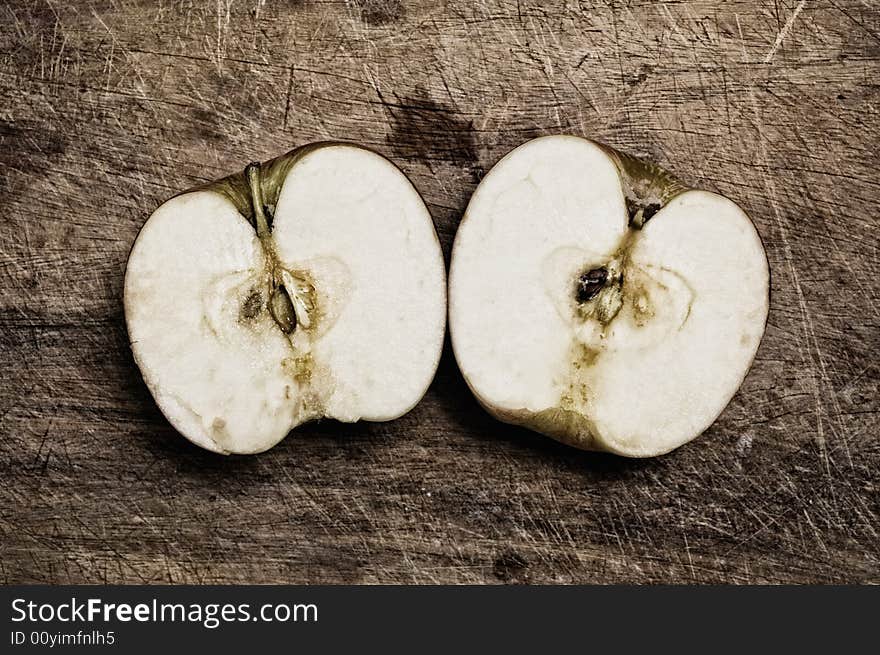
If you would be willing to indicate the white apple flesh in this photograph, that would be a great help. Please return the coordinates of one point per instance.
(596, 300)
(310, 287)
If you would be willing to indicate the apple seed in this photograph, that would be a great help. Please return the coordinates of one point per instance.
(590, 283)
(281, 308)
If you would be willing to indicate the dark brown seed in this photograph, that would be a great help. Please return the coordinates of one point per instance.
(590, 283)
(282, 311)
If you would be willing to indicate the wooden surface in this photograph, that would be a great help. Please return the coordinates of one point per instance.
(107, 108)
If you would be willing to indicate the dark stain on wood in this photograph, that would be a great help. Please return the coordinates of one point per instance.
(511, 567)
(29, 149)
(380, 12)
(208, 126)
(426, 130)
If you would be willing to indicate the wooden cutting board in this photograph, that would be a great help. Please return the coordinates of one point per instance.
(109, 107)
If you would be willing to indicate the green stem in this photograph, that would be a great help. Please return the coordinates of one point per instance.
(252, 173)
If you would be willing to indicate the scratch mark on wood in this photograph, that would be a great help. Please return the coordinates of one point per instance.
(784, 31)
(287, 98)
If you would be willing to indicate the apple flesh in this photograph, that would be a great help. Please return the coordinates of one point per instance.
(311, 286)
(595, 299)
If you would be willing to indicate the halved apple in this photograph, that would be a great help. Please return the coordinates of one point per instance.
(307, 287)
(595, 299)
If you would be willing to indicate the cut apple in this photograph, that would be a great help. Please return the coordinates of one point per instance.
(594, 299)
(311, 286)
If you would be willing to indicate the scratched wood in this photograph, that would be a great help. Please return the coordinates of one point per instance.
(109, 107)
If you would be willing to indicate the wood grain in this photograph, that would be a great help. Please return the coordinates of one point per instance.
(109, 107)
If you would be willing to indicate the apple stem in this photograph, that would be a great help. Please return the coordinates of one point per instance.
(252, 173)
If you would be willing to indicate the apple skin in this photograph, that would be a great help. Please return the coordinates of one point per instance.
(235, 188)
(646, 186)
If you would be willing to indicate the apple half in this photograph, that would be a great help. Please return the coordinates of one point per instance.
(595, 299)
(311, 286)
